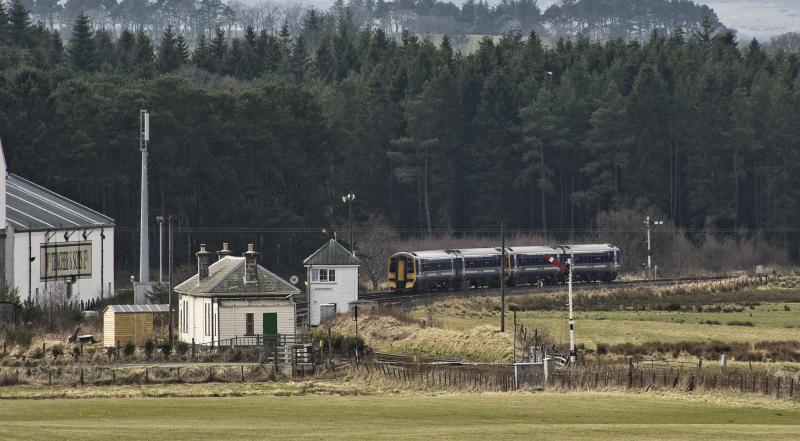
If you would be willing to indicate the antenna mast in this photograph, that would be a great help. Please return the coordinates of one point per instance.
(144, 248)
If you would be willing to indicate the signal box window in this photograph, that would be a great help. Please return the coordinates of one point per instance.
(323, 275)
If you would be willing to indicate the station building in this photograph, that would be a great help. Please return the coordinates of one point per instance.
(55, 250)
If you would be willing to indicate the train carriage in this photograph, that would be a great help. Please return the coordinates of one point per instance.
(460, 269)
(592, 262)
(530, 265)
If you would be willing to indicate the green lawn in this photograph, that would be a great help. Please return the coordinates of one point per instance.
(771, 322)
(454, 416)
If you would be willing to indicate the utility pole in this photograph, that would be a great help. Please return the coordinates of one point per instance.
(348, 199)
(160, 220)
(648, 223)
(502, 278)
(171, 292)
(144, 250)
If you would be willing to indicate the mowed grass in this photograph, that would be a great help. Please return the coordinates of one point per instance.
(451, 416)
(770, 322)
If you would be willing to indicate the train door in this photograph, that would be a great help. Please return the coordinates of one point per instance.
(401, 272)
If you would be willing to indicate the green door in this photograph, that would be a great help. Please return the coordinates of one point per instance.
(270, 323)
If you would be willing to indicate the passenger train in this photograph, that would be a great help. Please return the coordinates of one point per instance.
(480, 267)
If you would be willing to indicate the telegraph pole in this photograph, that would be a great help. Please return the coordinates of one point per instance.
(160, 220)
(502, 278)
(144, 250)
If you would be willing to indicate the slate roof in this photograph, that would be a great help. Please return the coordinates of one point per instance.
(332, 253)
(226, 279)
(33, 207)
(138, 308)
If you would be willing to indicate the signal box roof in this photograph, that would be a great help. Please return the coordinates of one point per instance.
(332, 253)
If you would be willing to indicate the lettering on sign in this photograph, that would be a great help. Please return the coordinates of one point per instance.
(65, 260)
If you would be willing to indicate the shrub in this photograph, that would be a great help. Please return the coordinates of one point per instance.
(739, 323)
(129, 349)
(19, 336)
(602, 348)
(76, 352)
(710, 322)
(149, 348)
(182, 347)
(110, 353)
(786, 308)
(166, 349)
(37, 353)
(57, 351)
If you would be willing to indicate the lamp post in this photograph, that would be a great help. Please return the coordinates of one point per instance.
(170, 292)
(160, 220)
(348, 199)
(648, 222)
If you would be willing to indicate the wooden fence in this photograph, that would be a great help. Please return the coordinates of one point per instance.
(501, 378)
(113, 375)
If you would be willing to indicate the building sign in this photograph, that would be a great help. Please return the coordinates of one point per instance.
(65, 260)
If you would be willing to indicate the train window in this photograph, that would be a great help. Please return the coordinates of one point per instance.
(393, 265)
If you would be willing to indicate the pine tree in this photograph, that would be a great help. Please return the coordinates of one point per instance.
(169, 57)
(299, 59)
(218, 48)
(143, 58)
(3, 22)
(104, 48)
(81, 44)
(20, 21)
(183, 49)
(125, 51)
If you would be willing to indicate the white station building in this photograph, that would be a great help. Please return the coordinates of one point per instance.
(55, 249)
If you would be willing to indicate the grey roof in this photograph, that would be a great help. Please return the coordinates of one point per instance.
(138, 308)
(591, 247)
(332, 253)
(33, 207)
(226, 278)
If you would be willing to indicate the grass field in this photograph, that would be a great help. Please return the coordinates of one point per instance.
(408, 416)
(770, 322)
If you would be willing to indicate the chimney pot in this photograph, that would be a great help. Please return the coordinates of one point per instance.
(250, 264)
(225, 251)
(203, 257)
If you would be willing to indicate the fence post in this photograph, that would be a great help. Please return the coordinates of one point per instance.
(81, 376)
(242, 373)
(49, 377)
(193, 349)
(791, 388)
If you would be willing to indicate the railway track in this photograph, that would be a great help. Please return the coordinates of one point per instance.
(413, 298)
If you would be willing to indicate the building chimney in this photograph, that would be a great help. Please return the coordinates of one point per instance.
(225, 251)
(250, 265)
(203, 261)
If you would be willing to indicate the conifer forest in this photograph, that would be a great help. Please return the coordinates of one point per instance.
(259, 130)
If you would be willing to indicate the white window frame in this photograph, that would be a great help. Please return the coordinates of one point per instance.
(323, 275)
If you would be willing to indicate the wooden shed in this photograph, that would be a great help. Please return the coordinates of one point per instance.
(130, 323)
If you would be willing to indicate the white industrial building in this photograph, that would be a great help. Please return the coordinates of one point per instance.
(233, 298)
(332, 275)
(56, 250)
